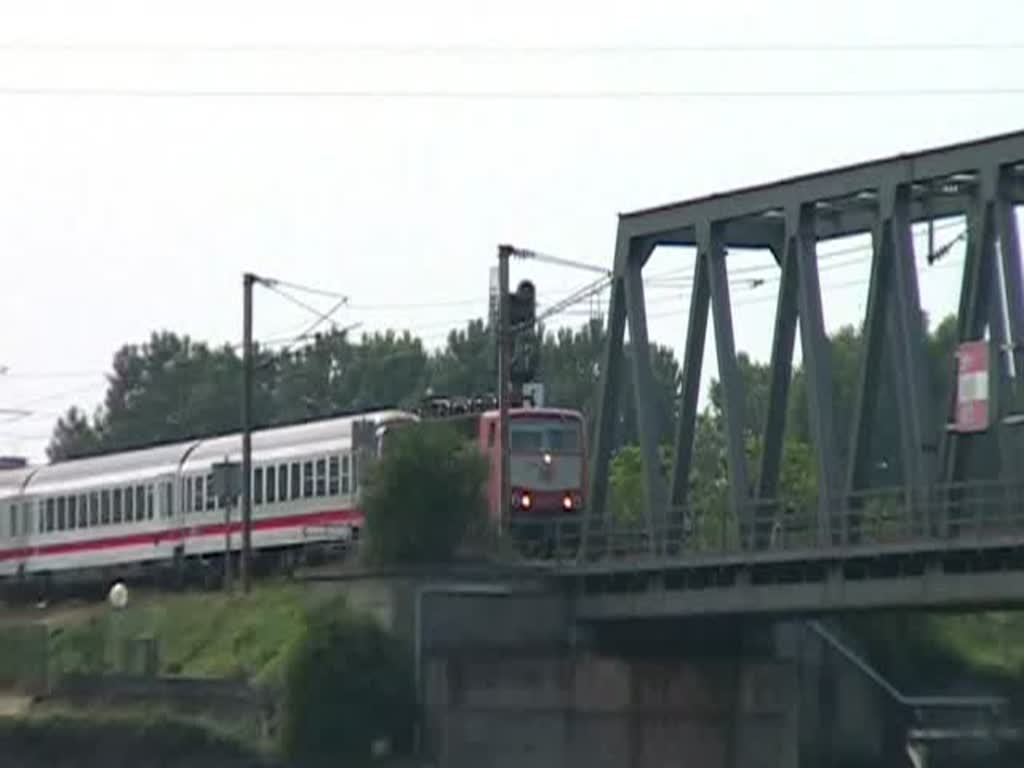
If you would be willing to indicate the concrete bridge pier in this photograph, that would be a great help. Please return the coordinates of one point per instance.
(513, 681)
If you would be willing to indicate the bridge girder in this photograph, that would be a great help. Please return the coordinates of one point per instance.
(981, 180)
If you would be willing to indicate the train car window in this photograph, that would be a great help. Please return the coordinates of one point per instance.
(151, 500)
(72, 512)
(140, 501)
(50, 514)
(94, 509)
(257, 485)
(197, 494)
(26, 518)
(282, 483)
(332, 476)
(83, 511)
(12, 528)
(307, 479)
(355, 473)
(118, 509)
(346, 476)
(105, 507)
(321, 477)
(129, 505)
(564, 439)
(187, 494)
(526, 440)
(62, 504)
(211, 496)
(271, 484)
(296, 490)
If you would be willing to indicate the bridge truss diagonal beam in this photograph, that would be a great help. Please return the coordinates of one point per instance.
(982, 181)
(815, 348)
(712, 251)
(644, 391)
(693, 360)
(781, 372)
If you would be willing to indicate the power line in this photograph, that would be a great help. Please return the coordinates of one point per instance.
(516, 49)
(398, 94)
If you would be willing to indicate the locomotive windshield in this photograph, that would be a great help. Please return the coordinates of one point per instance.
(540, 435)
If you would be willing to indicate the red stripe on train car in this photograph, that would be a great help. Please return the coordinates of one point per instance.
(155, 538)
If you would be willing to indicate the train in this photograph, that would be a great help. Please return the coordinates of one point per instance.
(156, 508)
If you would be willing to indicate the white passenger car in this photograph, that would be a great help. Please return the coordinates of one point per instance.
(157, 505)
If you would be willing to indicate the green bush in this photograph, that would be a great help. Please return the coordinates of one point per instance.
(347, 685)
(75, 740)
(424, 496)
(23, 657)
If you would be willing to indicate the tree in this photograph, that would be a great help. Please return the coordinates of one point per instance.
(73, 437)
(347, 685)
(571, 365)
(169, 388)
(333, 375)
(424, 495)
(467, 365)
(667, 379)
(626, 486)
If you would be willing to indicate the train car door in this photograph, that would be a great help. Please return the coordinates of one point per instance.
(15, 535)
(168, 514)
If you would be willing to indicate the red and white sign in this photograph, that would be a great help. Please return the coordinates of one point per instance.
(972, 387)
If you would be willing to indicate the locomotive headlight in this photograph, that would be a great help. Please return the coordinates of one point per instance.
(525, 501)
(547, 459)
(567, 503)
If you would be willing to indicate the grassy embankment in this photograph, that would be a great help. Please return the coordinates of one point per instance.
(198, 635)
(214, 635)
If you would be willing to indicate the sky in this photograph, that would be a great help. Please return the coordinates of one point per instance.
(152, 152)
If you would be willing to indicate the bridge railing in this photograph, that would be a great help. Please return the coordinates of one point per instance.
(888, 518)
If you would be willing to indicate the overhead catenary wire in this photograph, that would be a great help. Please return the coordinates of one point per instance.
(685, 273)
(42, 375)
(750, 301)
(558, 261)
(424, 341)
(564, 306)
(272, 282)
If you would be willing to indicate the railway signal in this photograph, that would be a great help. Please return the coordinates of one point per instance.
(522, 320)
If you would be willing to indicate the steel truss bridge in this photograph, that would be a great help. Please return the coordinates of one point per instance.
(945, 536)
